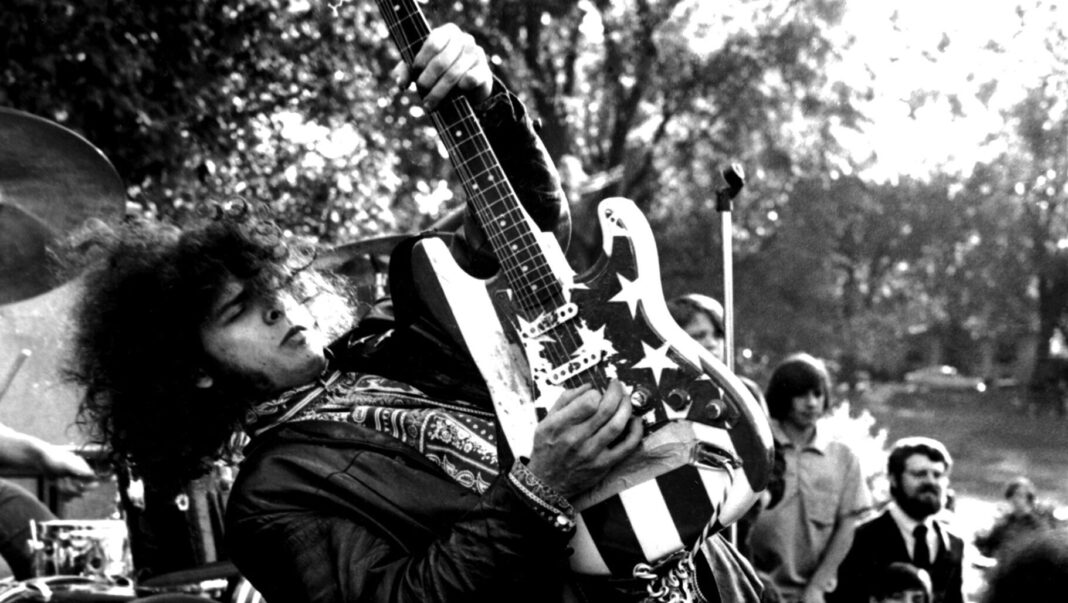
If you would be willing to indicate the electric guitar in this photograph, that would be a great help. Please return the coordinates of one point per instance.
(536, 329)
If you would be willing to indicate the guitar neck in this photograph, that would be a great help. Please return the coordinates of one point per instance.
(510, 230)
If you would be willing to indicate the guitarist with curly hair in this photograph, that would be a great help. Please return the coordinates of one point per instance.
(376, 469)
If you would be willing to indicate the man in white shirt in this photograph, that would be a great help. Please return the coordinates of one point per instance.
(908, 531)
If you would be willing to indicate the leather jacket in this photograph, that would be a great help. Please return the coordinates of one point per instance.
(330, 511)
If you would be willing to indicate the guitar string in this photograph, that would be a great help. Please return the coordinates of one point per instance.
(414, 17)
(568, 340)
(422, 29)
(384, 6)
(558, 356)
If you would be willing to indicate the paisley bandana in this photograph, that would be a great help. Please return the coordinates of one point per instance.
(459, 439)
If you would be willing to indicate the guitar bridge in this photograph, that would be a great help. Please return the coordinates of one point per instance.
(549, 320)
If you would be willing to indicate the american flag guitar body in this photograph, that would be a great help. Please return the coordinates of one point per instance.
(536, 329)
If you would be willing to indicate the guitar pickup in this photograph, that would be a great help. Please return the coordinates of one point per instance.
(583, 359)
(549, 320)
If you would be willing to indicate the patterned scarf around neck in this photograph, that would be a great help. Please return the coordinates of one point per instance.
(459, 439)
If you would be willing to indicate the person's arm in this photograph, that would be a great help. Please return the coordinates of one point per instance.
(25, 452)
(854, 500)
(361, 550)
(451, 61)
(823, 579)
(348, 522)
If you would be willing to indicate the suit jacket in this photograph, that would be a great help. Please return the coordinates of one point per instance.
(877, 543)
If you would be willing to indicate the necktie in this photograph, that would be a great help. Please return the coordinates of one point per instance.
(921, 555)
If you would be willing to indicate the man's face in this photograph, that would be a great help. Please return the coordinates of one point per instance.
(921, 489)
(267, 340)
(704, 332)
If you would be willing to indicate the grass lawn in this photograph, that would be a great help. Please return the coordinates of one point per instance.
(992, 437)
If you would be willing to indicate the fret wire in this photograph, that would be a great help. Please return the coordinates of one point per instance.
(521, 238)
(408, 51)
(545, 278)
(494, 170)
(484, 156)
(557, 351)
(512, 216)
(501, 185)
(524, 255)
(395, 22)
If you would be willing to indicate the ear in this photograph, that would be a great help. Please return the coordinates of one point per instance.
(894, 480)
(203, 379)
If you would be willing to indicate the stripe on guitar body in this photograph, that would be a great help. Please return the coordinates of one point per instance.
(690, 502)
(655, 527)
(648, 521)
(613, 536)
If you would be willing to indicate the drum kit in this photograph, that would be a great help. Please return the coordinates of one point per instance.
(165, 547)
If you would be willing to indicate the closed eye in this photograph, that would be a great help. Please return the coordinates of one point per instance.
(232, 308)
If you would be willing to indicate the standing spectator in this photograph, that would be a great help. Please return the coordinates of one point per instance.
(907, 530)
(702, 318)
(800, 541)
(1025, 517)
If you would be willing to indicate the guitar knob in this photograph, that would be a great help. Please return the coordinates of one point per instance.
(715, 410)
(678, 399)
(639, 397)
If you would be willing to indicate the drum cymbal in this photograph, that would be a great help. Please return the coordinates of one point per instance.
(51, 180)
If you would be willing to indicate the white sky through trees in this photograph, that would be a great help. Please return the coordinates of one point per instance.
(950, 47)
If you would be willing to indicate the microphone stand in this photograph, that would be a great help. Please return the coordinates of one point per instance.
(734, 176)
(735, 179)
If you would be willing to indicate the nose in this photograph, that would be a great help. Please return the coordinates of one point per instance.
(814, 400)
(708, 342)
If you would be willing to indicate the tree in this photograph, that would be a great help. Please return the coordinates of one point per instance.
(201, 100)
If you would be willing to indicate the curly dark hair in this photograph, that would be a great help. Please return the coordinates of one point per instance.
(137, 348)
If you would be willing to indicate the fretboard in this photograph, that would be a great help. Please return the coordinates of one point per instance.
(511, 232)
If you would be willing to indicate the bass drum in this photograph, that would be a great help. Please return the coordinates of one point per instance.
(95, 548)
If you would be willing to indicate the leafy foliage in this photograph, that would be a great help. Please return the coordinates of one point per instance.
(291, 101)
